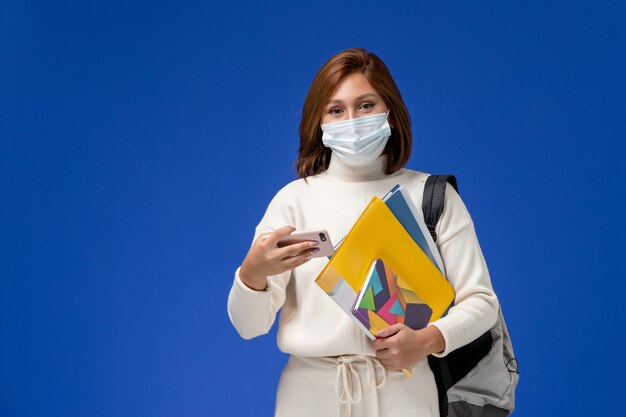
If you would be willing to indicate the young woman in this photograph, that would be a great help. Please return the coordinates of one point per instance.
(355, 138)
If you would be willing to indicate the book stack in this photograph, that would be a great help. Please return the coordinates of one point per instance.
(387, 269)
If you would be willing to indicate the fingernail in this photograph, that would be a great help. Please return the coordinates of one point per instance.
(313, 244)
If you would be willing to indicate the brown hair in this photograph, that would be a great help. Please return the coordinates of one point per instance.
(313, 156)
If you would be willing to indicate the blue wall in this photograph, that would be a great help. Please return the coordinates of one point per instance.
(140, 144)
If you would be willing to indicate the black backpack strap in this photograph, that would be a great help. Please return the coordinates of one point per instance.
(451, 369)
(434, 195)
(432, 207)
(443, 380)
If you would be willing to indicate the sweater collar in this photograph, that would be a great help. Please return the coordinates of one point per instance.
(339, 170)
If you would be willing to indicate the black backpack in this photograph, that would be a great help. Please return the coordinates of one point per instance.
(478, 379)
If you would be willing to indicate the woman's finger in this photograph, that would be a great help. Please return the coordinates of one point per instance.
(296, 249)
(383, 354)
(297, 260)
(278, 234)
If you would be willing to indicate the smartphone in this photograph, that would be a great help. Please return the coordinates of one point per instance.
(324, 245)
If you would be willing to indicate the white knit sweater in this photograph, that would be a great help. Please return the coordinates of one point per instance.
(310, 323)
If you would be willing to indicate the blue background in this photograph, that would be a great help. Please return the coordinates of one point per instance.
(140, 143)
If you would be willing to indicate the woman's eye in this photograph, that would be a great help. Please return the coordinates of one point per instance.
(367, 106)
(334, 110)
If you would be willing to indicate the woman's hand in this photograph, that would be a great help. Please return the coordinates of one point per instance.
(400, 347)
(265, 258)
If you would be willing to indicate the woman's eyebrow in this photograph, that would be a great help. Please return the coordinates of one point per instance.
(361, 97)
(367, 95)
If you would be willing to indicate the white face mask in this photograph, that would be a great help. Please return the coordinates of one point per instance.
(360, 141)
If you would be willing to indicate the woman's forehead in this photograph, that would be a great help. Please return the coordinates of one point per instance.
(354, 86)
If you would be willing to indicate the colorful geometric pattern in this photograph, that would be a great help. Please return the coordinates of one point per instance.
(340, 292)
(385, 300)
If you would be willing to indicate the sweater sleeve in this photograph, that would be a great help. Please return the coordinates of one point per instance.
(253, 312)
(476, 305)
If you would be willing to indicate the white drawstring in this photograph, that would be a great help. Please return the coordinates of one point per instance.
(348, 382)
